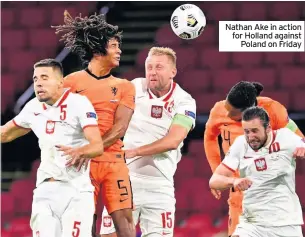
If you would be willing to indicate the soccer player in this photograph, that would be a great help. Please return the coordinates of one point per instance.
(265, 159)
(66, 125)
(225, 120)
(98, 43)
(163, 117)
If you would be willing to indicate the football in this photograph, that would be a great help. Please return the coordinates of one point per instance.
(188, 21)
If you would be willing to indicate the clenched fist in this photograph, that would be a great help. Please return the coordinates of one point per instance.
(242, 184)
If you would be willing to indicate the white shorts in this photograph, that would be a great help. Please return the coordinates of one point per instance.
(60, 210)
(250, 230)
(154, 203)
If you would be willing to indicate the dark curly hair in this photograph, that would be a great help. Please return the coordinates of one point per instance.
(243, 94)
(87, 36)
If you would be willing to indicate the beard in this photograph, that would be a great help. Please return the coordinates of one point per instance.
(262, 142)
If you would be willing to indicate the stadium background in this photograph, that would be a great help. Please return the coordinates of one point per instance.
(203, 71)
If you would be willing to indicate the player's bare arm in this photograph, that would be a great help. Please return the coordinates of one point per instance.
(10, 132)
(122, 118)
(223, 179)
(81, 155)
(176, 134)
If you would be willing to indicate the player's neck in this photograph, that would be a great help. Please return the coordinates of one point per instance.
(160, 93)
(55, 98)
(99, 69)
(269, 138)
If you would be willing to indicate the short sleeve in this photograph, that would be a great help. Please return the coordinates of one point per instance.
(235, 153)
(128, 95)
(23, 118)
(187, 107)
(86, 113)
(278, 115)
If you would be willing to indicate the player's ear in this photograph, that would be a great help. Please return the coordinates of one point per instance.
(174, 72)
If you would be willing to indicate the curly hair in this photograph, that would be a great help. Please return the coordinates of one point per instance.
(87, 36)
(243, 94)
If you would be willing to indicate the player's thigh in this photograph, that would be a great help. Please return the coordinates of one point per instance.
(107, 226)
(78, 218)
(249, 230)
(116, 188)
(44, 222)
(158, 219)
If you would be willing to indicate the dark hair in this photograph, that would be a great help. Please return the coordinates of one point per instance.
(50, 62)
(244, 93)
(87, 36)
(256, 112)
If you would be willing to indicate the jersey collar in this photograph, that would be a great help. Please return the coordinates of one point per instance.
(60, 101)
(167, 96)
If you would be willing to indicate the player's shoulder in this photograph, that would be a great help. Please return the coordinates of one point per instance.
(219, 109)
(284, 133)
(181, 94)
(120, 81)
(33, 104)
(268, 104)
(74, 76)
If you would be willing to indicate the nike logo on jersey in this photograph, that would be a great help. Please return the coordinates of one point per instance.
(36, 114)
(225, 124)
(79, 91)
(164, 233)
(123, 200)
(248, 157)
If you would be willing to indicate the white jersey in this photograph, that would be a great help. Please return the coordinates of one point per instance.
(60, 124)
(151, 121)
(271, 200)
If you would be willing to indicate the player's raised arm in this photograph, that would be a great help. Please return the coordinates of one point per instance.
(17, 127)
(281, 118)
(123, 115)
(182, 123)
(10, 131)
(223, 178)
(211, 134)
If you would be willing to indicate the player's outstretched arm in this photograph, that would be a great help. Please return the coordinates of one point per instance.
(176, 134)
(10, 131)
(81, 155)
(222, 179)
(123, 115)
(211, 134)
(121, 121)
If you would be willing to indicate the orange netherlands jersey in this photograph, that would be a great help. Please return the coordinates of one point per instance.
(105, 94)
(220, 124)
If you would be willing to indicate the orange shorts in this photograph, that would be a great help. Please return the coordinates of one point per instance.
(112, 179)
(235, 210)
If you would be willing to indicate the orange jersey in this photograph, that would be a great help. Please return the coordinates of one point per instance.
(220, 124)
(105, 95)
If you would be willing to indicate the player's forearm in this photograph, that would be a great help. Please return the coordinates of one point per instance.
(212, 151)
(221, 182)
(115, 133)
(160, 146)
(91, 150)
(10, 132)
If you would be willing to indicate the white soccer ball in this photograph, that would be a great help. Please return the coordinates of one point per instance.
(188, 21)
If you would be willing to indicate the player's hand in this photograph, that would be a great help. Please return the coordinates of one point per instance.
(299, 153)
(74, 157)
(216, 193)
(242, 184)
(130, 153)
